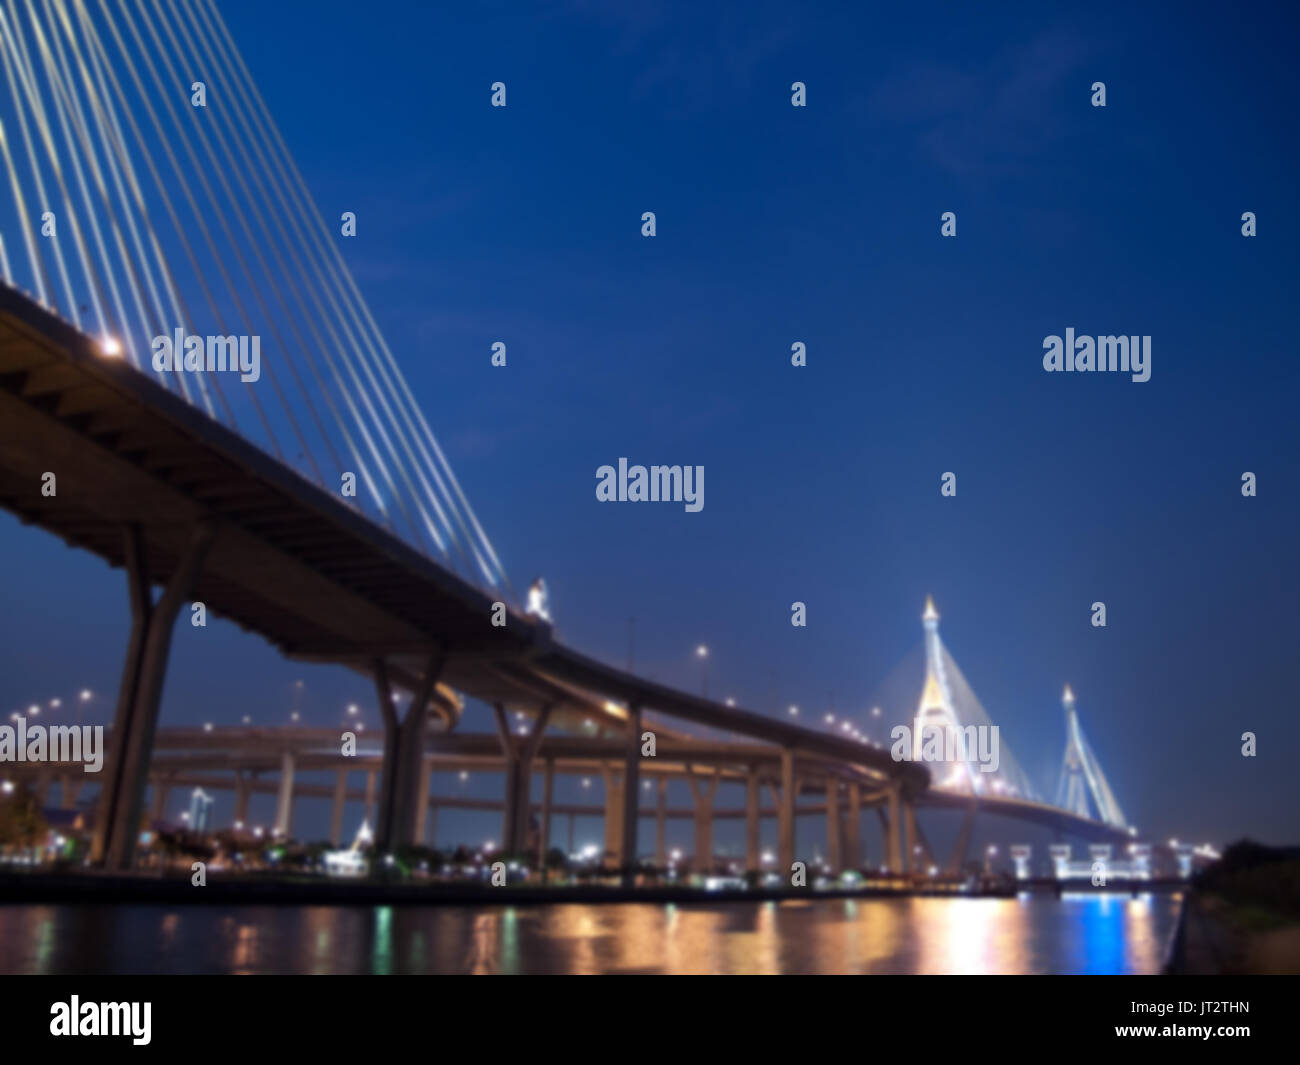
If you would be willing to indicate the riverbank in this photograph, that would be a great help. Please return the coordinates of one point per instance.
(1242, 916)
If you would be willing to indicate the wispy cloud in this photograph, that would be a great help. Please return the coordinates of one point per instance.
(989, 117)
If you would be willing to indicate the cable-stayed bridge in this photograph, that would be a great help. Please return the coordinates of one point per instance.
(285, 475)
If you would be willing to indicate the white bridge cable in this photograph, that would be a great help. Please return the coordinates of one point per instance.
(13, 60)
(970, 711)
(24, 219)
(99, 299)
(68, 107)
(1107, 808)
(82, 94)
(104, 65)
(309, 231)
(136, 261)
(307, 316)
(198, 172)
(352, 299)
(254, 245)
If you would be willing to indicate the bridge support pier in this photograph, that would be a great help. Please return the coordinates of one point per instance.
(703, 795)
(853, 855)
(614, 799)
(785, 812)
(631, 795)
(403, 755)
(121, 799)
(544, 824)
(894, 832)
(753, 859)
(422, 800)
(957, 862)
(161, 792)
(661, 824)
(284, 800)
(336, 811)
(909, 838)
(518, 766)
(834, 830)
(243, 792)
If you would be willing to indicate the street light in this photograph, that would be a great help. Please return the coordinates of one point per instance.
(794, 711)
(702, 653)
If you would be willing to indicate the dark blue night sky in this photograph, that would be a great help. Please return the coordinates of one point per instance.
(822, 225)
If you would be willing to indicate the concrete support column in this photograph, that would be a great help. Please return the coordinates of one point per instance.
(510, 771)
(753, 859)
(284, 801)
(68, 789)
(785, 812)
(336, 811)
(614, 799)
(161, 793)
(403, 755)
(518, 757)
(370, 799)
(909, 837)
(527, 756)
(548, 799)
(957, 862)
(422, 800)
(834, 830)
(661, 824)
(144, 672)
(243, 791)
(853, 851)
(631, 795)
(895, 833)
(703, 795)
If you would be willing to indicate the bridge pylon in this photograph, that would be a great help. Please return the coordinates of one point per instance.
(1081, 775)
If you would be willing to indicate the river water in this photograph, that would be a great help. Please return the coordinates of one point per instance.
(1030, 934)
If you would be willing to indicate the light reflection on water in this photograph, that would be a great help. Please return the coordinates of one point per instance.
(1081, 934)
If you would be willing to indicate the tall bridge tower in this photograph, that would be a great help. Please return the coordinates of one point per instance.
(936, 707)
(1081, 774)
